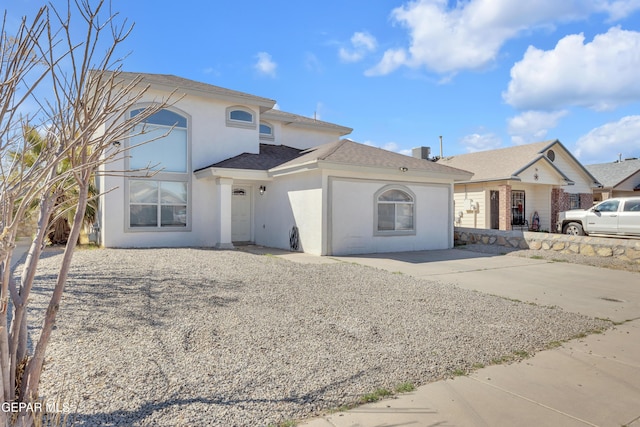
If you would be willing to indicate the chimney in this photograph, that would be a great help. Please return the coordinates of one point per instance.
(421, 153)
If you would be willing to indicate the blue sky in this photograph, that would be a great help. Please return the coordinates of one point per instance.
(482, 73)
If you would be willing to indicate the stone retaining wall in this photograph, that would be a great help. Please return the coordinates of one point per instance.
(624, 249)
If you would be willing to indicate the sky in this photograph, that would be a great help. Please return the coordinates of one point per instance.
(482, 74)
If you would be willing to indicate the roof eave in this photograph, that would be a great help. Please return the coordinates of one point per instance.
(264, 104)
(248, 174)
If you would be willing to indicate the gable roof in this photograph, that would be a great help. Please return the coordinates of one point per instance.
(295, 120)
(350, 153)
(507, 163)
(613, 174)
(169, 82)
(269, 157)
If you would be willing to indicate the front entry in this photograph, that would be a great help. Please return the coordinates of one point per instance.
(241, 214)
(494, 209)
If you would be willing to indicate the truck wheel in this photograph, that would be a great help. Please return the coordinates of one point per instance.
(573, 229)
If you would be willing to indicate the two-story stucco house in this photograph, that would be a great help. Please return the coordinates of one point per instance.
(234, 169)
(512, 184)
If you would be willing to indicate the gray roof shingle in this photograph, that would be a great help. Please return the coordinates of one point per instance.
(348, 152)
(612, 174)
(269, 157)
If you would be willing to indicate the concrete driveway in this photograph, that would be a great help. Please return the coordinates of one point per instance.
(596, 292)
(592, 381)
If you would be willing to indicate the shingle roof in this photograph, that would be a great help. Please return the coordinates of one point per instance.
(348, 152)
(502, 163)
(612, 174)
(269, 157)
(303, 121)
(506, 163)
(171, 82)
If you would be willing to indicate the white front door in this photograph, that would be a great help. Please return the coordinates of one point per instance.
(241, 214)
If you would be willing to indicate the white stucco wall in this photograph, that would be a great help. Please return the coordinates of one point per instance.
(300, 138)
(351, 218)
(291, 200)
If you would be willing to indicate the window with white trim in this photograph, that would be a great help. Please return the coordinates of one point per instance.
(161, 145)
(266, 131)
(242, 117)
(157, 203)
(395, 211)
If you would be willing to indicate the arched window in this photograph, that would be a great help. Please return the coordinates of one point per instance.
(239, 116)
(266, 130)
(160, 143)
(395, 211)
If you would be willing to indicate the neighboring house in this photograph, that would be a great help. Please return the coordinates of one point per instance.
(510, 184)
(618, 179)
(233, 169)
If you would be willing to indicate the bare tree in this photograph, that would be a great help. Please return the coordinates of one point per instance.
(83, 112)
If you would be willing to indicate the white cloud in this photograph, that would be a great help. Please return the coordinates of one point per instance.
(600, 75)
(361, 44)
(481, 142)
(533, 126)
(265, 64)
(470, 35)
(603, 143)
(312, 63)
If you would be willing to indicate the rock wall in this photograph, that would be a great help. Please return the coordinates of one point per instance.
(624, 249)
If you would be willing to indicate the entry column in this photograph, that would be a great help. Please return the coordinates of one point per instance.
(224, 212)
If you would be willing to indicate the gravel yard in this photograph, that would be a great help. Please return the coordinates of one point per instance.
(189, 337)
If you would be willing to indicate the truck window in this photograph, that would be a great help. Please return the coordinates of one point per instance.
(608, 206)
(632, 206)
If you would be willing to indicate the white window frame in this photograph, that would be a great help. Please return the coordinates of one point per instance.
(264, 136)
(574, 201)
(376, 203)
(241, 123)
(159, 177)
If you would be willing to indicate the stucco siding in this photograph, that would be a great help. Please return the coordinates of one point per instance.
(352, 216)
(291, 200)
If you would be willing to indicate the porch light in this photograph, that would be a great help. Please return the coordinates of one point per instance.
(262, 189)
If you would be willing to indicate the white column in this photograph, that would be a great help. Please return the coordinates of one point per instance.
(224, 212)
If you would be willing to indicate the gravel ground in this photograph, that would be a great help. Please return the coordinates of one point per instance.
(190, 337)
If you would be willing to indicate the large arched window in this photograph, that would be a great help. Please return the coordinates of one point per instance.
(395, 211)
(161, 144)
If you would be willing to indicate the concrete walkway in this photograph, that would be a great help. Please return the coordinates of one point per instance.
(593, 381)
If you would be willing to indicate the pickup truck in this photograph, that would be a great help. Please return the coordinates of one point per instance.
(619, 216)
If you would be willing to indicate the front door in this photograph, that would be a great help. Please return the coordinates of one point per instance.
(494, 209)
(241, 214)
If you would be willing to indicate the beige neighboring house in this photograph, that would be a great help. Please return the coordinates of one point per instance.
(618, 179)
(510, 184)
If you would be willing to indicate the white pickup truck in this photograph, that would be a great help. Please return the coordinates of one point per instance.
(619, 216)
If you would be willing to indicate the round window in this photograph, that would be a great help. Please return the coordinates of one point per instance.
(551, 155)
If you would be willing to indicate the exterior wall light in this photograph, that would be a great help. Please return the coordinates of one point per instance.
(403, 168)
(262, 189)
(116, 144)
